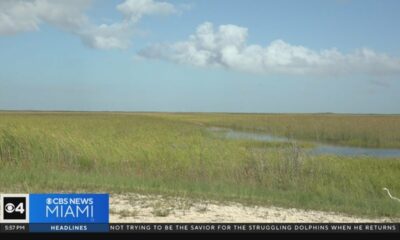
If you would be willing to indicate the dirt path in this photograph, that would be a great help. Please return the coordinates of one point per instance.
(133, 208)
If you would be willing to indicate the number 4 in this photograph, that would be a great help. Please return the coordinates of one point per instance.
(20, 208)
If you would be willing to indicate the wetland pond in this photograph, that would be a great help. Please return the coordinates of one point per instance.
(319, 149)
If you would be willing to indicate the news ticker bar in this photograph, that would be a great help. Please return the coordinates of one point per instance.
(90, 213)
(202, 228)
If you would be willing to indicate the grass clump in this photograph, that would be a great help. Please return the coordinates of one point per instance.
(124, 213)
(161, 210)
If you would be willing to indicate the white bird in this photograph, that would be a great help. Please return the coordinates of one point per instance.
(390, 195)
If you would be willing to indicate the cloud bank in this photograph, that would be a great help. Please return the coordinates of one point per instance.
(69, 15)
(226, 47)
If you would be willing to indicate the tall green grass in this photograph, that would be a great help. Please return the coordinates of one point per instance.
(173, 155)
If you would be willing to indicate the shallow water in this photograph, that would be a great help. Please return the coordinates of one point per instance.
(354, 151)
(254, 136)
(319, 149)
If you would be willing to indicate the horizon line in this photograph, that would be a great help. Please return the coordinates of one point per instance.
(190, 112)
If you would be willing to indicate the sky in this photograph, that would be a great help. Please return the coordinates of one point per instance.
(262, 56)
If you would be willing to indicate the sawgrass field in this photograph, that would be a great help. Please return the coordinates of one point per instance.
(177, 154)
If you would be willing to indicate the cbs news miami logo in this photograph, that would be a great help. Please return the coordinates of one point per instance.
(54, 208)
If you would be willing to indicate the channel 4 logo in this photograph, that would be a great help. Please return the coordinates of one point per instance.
(14, 208)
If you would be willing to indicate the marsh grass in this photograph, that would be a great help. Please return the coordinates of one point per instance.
(375, 131)
(157, 153)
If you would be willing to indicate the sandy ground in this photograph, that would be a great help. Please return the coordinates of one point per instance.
(136, 208)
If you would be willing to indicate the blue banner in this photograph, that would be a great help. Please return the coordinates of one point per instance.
(69, 208)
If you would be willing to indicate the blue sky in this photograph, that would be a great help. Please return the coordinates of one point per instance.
(201, 56)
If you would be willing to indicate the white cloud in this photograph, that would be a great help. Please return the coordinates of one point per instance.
(226, 47)
(22, 15)
(118, 35)
(69, 15)
(108, 36)
(135, 9)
